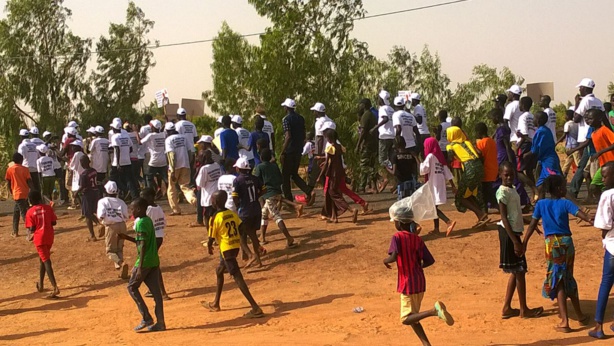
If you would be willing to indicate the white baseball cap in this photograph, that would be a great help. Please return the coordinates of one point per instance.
(219, 119)
(69, 130)
(318, 107)
(116, 123)
(77, 143)
(289, 103)
(181, 111)
(42, 148)
(34, 130)
(156, 123)
(110, 187)
(384, 95)
(205, 139)
(586, 82)
(515, 89)
(242, 163)
(169, 126)
(46, 133)
(24, 133)
(91, 130)
(73, 123)
(99, 129)
(414, 96)
(399, 101)
(237, 119)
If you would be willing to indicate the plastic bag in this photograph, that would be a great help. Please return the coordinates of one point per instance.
(418, 207)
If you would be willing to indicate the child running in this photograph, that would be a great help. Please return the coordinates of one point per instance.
(544, 150)
(404, 168)
(113, 213)
(40, 220)
(147, 267)
(224, 230)
(156, 214)
(207, 182)
(411, 256)
(437, 173)
(570, 136)
(560, 251)
(88, 190)
(512, 259)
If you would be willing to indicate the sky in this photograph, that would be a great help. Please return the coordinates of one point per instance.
(560, 41)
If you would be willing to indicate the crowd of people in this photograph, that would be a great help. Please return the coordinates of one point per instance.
(234, 180)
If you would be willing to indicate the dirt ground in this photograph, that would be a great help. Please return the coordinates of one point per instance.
(307, 293)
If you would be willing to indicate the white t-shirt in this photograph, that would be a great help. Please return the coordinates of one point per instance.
(439, 175)
(604, 219)
(155, 144)
(207, 180)
(188, 130)
(111, 210)
(386, 131)
(124, 143)
(424, 127)
(217, 132)
(65, 137)
(134, 154)
(526, 126)
(407, 122)
(323, 123)
(309, 149)
(28, 150)
(77, 169)
(588, 102)
(443, 139)
(44, 166)
(176, 143)
(156, 214)
(512, 113)
(37, 141)
(268, 129)
(143, 131)
(243, 135)
(551, 124)
(225, 182)
(571, 130)
(99, 154)
(111, 133)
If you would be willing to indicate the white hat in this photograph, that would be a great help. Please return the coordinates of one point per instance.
(46, 133)
(289, 103)
(414, 96)
(586, 82)
(156, 123)
(572, 108)
(237, 119)
(181, 111)
(515, 89)
(116, 123)
(73, 123)
(92, 130)
(205, 139)
(110, 187)
(242, 163)
(219, 119)
(24, 133)
(77, 143)
(384, 95)
(34, 130)
(69, 130)
(99, 129)
(42, 148)
(169, 126)
(399, 101)
(318, 107)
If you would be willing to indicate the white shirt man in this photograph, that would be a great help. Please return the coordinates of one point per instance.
(207, 180)
(512, 112)
(407, 122)
(122, 141)
(188, 131)
(587, 103)
(143, 131)
(99, 152)
(27, 149)
(551, 124)
(526, 126)
(419, 111)
(243, 135)
(226, 182)
(155, 143)
(604, 219)
(268, 129)
(386, 131)
(176, 143)
(44, 164)
(134, 154)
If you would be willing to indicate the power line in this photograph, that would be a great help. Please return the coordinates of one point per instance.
(156, 46)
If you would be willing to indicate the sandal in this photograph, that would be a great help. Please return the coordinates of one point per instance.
(597, 334)
(563, 329)
(584, 321)
(512, 313)
(443, 314)
(144, 324)
(534, 313)
(252, 314)
(209, 306)
(450, 228)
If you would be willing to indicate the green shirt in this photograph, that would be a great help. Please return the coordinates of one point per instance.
(146, 233)
(270, 175)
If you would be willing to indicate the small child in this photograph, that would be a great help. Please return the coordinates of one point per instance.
(88, 190)
(512, 259)
(560, 251)
(543, 148)
(76, 169)
(246, 191)
(487, 148)
(404, 168)
(525, 133)
(411, 255)
(156, 214)
(224, 230)
(19, 181)
(570, 136)
(113, 213)
(270, 175)
(309, 149)
(207, 182)
(147, 267)
(440, 133)
(604, 220)
(40, 220)
(226, 181)
(44, 166)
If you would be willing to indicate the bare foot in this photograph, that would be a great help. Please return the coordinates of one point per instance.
(382, 186)
(253, 262)
(299, 210)
(354, 215)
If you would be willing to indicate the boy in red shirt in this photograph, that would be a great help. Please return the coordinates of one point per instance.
(40, 220)
(411, 255)
(20, 182)
(487, 149)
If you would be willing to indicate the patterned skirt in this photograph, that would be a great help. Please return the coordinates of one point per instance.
(470, 184)
(560, 254)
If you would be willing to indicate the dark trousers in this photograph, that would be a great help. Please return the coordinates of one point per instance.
(60, 177)
(36, 183)
(199, 208)
(137, 167)
(151, 278)
(368, 170)
(578, 177)
(152, 172)
(21, 206)
(101, 180)
(289, 171)
(125, 180)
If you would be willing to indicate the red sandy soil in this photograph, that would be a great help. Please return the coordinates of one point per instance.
(307, 293)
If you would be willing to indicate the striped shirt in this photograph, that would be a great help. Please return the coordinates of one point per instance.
(412, 257)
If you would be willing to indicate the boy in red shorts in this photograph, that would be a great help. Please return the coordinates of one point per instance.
(40, 220)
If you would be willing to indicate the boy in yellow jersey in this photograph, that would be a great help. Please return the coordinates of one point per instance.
(224, 230)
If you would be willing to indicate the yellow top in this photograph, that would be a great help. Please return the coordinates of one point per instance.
(224, 228)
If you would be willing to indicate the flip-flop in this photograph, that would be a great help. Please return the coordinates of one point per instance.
(143, 325)
(596, 334)
(450, 228)
(585, 320)
(435, 233)
(292, 246)
(209, 306)
(443, 314)
(512, 313)
(563, 329)
(536, 312)
(251, 314)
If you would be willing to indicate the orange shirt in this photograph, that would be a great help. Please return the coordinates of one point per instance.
(18, 175)
(488, 147)
(603, 138)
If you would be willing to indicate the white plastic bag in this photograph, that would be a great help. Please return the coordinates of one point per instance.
(423, 203)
